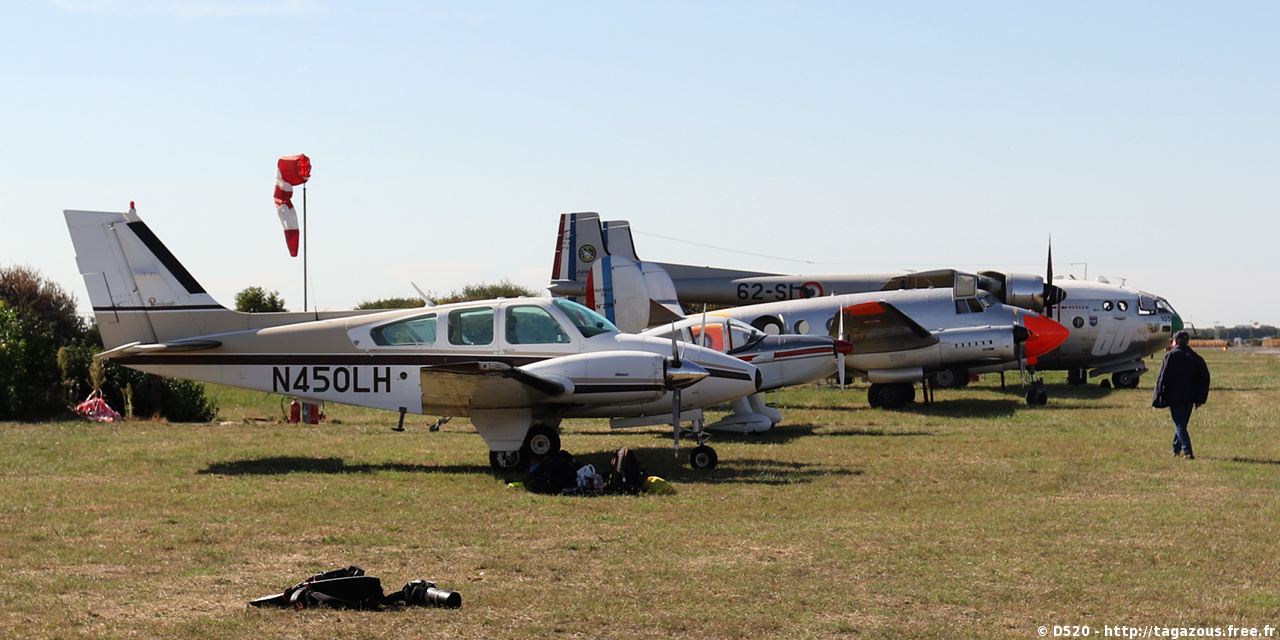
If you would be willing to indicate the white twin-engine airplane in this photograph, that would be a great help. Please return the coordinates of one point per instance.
(516, 367)
(899, 337)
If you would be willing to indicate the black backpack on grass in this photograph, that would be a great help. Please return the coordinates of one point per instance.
(555, 475)
(339, 589)
(626, 474)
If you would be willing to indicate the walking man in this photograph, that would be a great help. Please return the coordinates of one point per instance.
(1183, 384)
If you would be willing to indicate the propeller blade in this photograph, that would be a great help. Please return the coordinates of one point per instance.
(675, 420)
(840, 353)
(675, 351)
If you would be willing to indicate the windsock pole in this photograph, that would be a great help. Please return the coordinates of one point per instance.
(304, 247)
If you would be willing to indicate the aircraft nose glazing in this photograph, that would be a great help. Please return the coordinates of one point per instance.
(1045, 334)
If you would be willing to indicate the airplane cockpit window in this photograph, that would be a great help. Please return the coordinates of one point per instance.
(529, 324)
(986, 300)
(743, 336)
(966, 285)
(471, 326)
(419, 330)
(588, 322)
(970, 305)
(1163, 306)
(1146, 304)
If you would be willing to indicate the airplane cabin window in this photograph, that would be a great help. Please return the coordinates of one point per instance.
(419, 330)
(471, 326)
(529, 324)
(1123, 305)
(1106, 305)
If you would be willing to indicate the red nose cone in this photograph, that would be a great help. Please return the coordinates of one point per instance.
(1046, 334)
(844, 347)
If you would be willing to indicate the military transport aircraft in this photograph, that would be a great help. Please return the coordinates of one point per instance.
(1113, 328)
(898, 336)
(516, 367)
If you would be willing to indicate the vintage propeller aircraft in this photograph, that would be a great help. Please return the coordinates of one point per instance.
(899, 336)
(783, 360)
(1113, 328)
(516, 367)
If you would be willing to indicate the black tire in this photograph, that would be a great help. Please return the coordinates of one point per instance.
(504, 461)
(889, 396)
(769, 324)
(1038, 396)
(1126, 379)
(541, 441)
(703, 457)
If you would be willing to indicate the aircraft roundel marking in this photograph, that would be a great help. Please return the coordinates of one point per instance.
(587, 253)
(814, 288)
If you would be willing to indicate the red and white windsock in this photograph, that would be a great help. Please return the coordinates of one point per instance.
(290, 171)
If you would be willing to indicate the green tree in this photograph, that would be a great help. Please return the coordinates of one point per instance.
(391, 303)
(46, 359)
(486, 291)
(257, 300)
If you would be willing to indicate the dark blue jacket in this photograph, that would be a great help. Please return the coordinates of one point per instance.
(1183, 379)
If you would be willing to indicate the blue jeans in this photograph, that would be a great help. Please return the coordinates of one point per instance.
(1181, 414)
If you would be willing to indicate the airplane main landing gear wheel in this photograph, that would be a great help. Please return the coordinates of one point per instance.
(703, 457)
(1038, 396)
(541, 441)
(1126, 379)
(505, 460)
(890, 395)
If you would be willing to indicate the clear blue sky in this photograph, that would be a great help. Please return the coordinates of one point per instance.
(447, 137)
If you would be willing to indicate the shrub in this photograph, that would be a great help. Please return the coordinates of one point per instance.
(257, 300)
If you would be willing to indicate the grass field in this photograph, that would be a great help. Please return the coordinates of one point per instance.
(973, 517)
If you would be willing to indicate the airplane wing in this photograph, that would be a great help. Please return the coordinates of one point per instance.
(875, 327)
(484, 385)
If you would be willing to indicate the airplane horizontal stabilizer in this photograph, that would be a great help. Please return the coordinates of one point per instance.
(135, 348)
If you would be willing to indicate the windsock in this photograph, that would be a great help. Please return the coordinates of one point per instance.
(290, 171)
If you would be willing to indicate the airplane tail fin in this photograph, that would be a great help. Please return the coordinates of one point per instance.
(579, 244)
(596, 265)
(139, 291)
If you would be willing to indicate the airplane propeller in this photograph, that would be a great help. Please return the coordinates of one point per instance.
(1053, 294)
(677, 375)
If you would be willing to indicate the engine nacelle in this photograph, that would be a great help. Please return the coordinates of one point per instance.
(1023, 290)
(965, 345)
(616, 377)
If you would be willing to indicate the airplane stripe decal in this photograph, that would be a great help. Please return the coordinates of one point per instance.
(725, 373)
(190, 307)
(803, 352)
(270, 359)
(615, 388)
(555, 267)
(171, 263)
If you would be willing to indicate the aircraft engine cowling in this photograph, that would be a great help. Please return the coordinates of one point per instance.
(1017, 289)
(617, 377)
(966, 345)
